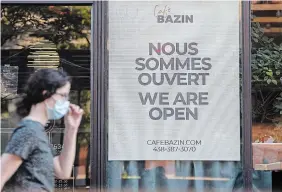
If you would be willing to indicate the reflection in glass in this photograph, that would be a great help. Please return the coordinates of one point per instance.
(267, 95)
(174, 175)
(47, 36)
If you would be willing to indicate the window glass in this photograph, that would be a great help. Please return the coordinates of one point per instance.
(267, 94)
(165, 175)
(48, 36)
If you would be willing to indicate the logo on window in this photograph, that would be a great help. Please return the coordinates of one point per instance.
(164, 14)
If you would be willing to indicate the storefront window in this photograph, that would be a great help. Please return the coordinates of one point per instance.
(48, 36)
(58, 36)
(161, 175)
(267, 94)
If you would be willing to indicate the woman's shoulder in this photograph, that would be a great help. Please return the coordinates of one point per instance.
(24, 132)
(28, 128)
(28, 124)
(24, 140)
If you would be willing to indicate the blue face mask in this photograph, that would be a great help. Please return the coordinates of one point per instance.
(60, 109)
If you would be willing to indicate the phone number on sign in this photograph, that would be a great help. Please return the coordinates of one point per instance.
(174, 149)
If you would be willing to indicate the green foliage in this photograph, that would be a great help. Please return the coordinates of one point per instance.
(266, 58)
(70, 23)
(266, 72)
(59, 24)
(17, 19)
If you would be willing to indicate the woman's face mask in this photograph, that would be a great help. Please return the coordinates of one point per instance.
(59, 110)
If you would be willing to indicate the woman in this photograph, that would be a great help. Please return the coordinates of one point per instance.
(29, 162)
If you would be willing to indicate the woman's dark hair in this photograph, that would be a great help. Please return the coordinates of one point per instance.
(43, 79)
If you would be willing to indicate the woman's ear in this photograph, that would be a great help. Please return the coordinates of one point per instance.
(45, 94)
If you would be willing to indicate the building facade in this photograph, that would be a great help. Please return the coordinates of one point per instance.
(89, 39)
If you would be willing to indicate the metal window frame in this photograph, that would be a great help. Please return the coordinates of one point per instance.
(99, 95)
(99, 87)
(247, 155)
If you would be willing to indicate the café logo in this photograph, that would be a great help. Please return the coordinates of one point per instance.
(164, 15)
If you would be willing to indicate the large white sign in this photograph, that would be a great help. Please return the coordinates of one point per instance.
(174, 81)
